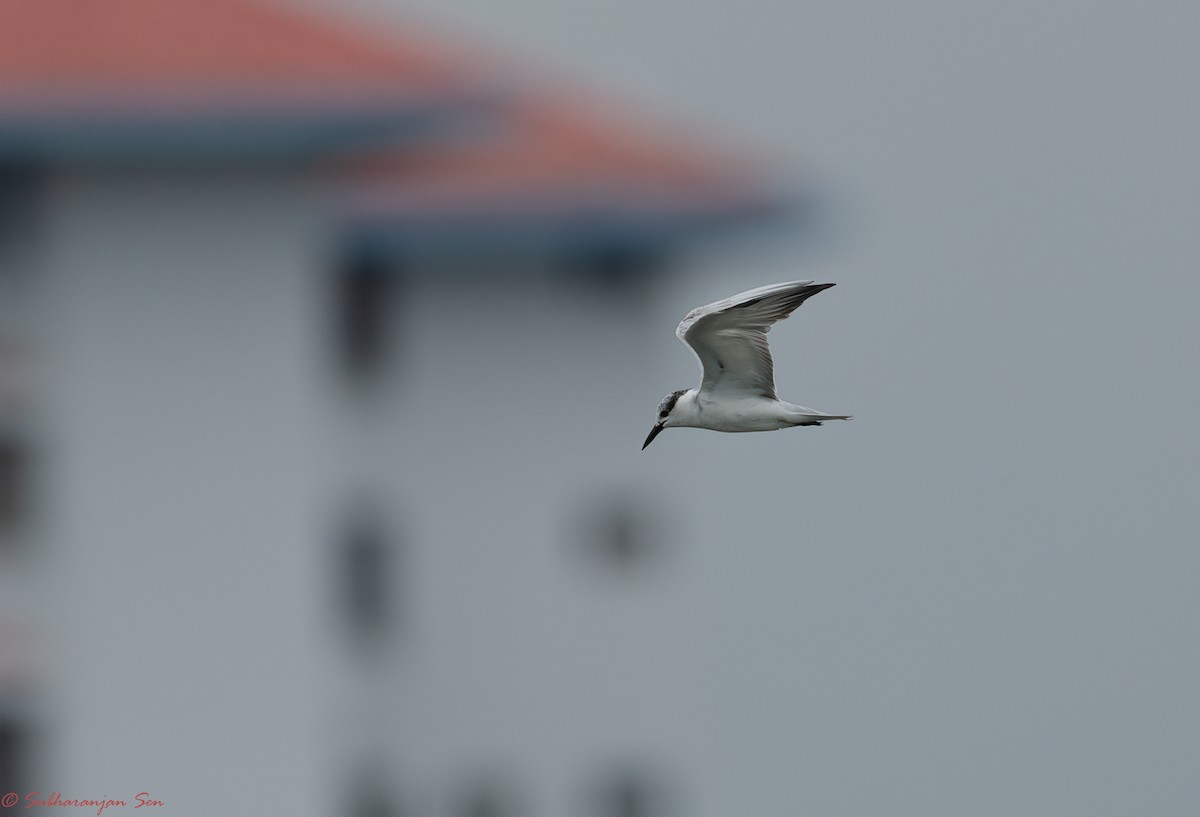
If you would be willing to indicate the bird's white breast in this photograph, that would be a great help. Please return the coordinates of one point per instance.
(741, 414)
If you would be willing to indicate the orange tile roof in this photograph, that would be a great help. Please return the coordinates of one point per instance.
(187, 49)
(553, 149)
(545, 150)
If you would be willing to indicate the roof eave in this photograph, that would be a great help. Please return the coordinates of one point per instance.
(232, 131)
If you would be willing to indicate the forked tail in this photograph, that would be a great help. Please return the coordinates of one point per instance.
(815, 418)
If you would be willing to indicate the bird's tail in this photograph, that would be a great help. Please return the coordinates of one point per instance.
(811, 417)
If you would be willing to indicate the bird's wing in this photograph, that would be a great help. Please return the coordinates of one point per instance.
(730, 337)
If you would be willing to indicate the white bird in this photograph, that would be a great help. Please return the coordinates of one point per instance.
(738, 390)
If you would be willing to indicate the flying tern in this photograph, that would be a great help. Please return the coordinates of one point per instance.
(737, 392)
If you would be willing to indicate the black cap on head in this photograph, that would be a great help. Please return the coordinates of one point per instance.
(664, 409)
(668, 402)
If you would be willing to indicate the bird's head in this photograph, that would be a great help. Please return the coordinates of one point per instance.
(665, 410)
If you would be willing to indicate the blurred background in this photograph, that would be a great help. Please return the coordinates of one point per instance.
(329, 334)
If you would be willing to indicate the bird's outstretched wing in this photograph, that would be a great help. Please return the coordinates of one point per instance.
(730, 337)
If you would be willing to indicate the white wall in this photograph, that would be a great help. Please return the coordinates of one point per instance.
(517, 400)
(187, 498)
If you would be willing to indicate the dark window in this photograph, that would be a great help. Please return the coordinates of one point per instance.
(14, 755)
(14, 483)
(620, 533)
(16, 207)
(632, 792)
(366, 311)
(488, 798)
(370, 798)
(366, 566)
(619, 270)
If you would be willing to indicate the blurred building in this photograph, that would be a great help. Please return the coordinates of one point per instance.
(308, 496)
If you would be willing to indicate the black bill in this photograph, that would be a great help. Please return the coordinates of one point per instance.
(650, 437)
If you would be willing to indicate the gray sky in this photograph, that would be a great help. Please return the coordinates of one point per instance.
(989, 605)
